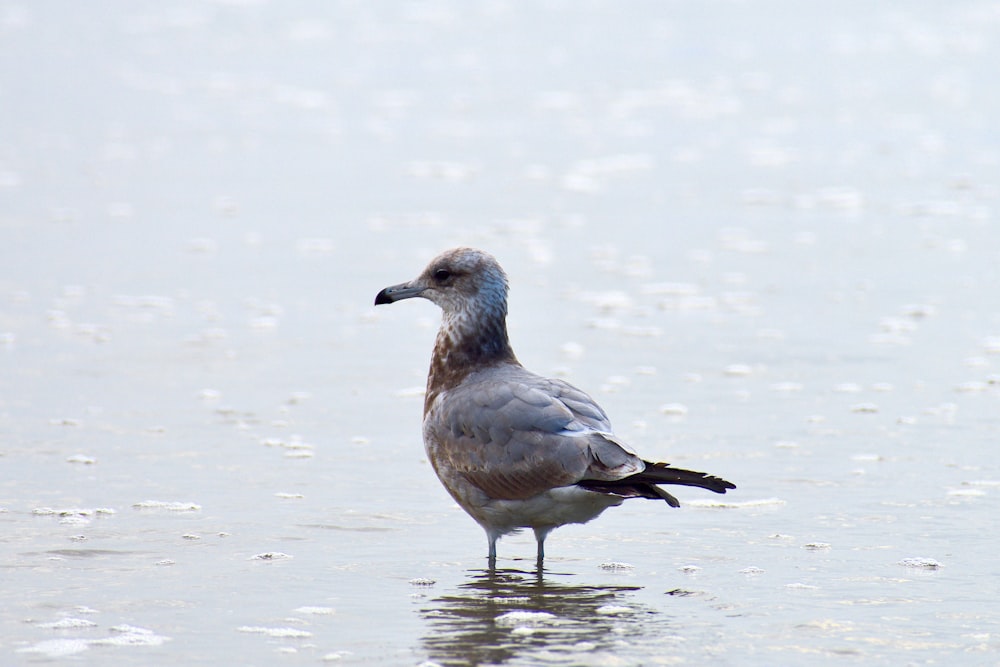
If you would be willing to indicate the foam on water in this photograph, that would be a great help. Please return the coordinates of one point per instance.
(121, 635)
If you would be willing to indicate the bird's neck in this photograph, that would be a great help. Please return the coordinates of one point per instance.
(465, 344)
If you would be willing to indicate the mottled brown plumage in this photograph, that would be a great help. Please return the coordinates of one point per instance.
(514, 449)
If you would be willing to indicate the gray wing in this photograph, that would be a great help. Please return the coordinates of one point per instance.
(585, 410)
(514, 434)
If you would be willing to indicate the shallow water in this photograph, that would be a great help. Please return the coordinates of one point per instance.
(762, 235)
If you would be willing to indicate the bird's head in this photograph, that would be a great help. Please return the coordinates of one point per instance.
(462, 281)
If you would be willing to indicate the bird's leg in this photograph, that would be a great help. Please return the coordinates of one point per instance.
(540, 535)
(493, 550)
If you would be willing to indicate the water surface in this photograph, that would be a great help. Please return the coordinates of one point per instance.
(762, 235)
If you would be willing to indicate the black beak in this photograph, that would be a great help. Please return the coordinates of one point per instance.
(398, 293)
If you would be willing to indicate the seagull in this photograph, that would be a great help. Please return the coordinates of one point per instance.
(515, 449)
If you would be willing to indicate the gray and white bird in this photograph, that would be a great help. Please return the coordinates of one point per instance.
(515, 449)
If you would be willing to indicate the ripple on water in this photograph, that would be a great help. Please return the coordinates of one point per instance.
(422, 581)
(68, 624)
(130, 635)
(613, 566)
(613, 609)
(991, 345)
(270, 556)
(299, 451)
(165, 505)
(278, 633)
(734, 504)
(73, 511)
(966, 493)
(121, 635)
(57, 648)
(317, 611)
(75, 516)
(921, 563)
(674, 409)
(530, 618)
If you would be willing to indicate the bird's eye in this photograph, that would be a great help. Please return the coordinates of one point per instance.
(442, 275)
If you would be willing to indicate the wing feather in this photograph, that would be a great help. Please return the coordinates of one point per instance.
(516, 435)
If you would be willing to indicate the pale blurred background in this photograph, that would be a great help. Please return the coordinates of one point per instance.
(762, 234)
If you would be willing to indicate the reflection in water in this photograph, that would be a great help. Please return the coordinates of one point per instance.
(502, 615)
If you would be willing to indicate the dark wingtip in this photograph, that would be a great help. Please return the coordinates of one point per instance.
(716, 484)
(663, 473)
(720, 485)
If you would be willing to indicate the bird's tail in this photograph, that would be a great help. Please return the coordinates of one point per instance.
(663, 473)
(645, 484)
